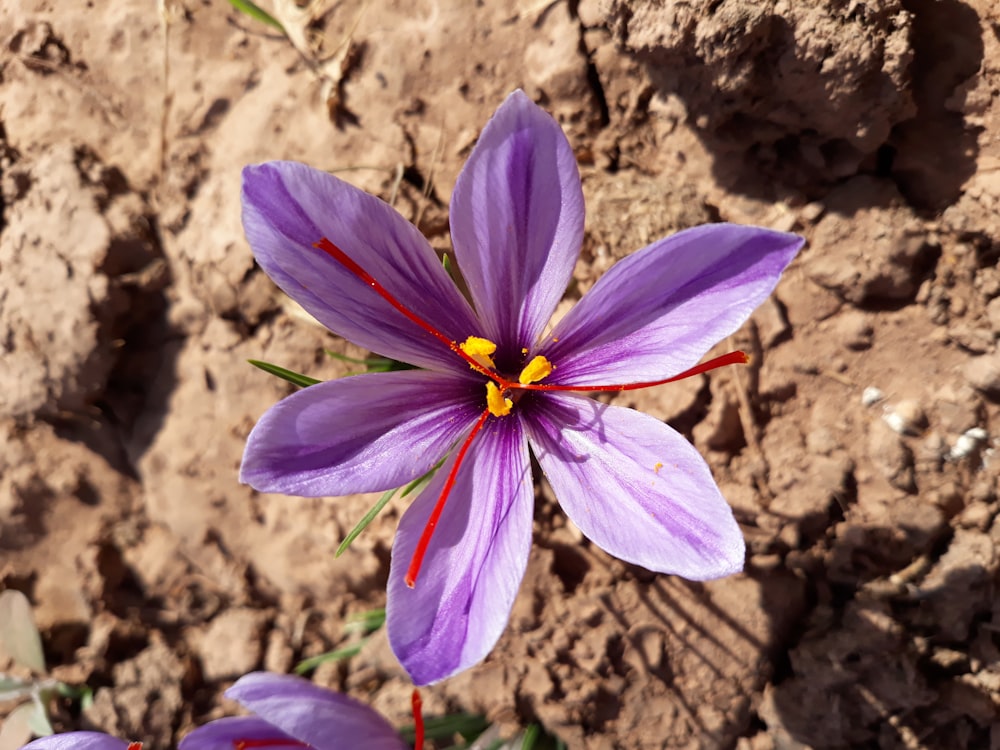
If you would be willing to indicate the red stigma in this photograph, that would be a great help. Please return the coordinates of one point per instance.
(418, 720)
(425, 538)
(134, 746)
(345, 260)
(244, 744)
(732, 358)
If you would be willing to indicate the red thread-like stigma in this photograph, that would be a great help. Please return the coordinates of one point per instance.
(246, 744)
(504, 384)
(344, 259)
(732, 358)
(418, 720)
(425, 538)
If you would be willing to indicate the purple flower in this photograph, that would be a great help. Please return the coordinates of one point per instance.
(293, 712)
(81, 741)
(493, 382)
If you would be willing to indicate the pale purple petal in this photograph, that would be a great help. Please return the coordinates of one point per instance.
(288, 206)
(657, 312)
(635, 487)
(77, 741)
(517, 224)
(475, 562)
(364, 433)
(311, 714)
(226, 734)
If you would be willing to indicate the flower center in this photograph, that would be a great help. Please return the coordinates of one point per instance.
(501, 392)
(499, 389)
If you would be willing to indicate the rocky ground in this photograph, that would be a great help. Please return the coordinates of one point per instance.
(858, 450)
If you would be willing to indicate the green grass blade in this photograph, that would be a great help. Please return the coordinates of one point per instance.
(530, 737)
(308, 665)
(292, 377)
(372, 364)
(382, 501)
(416, 483)
(363, 523)
(365, 622)
(367, 361)
(258, 13)
(444, 727)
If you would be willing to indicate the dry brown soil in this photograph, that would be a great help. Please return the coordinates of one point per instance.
(129, 304)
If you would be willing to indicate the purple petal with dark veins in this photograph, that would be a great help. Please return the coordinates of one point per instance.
(77, 741)
(288, 206)
(364, 433)
(657, 312)
(635, 487)
(475, 562)
(517, 223)
(228, 733)
(314, 715)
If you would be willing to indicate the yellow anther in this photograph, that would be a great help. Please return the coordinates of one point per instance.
(495, 401)
(479, 349)
(535, 370)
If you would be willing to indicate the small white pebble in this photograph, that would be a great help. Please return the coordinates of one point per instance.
(967, 442)
(905, 418)
(871, 396)
(895, 421)
(977, 433)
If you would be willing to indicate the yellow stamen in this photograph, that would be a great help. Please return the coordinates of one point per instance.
(535, 370)
(495, 402)
(480, 350)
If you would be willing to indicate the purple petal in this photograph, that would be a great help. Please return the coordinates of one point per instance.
(657, 312)
(359, 434)
(635, 487)
(517, 223)
(226, 734)
(475, 562)
(288, 206)
(77, 741)
(311, 714)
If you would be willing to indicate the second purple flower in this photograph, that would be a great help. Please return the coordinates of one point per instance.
(493, 384)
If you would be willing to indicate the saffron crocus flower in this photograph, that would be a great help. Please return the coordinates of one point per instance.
(493, 383)
(290, 712)
(81, 741)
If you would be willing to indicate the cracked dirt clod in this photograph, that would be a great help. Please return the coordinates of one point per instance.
(827, 81)
(79, 263)
(57, 352)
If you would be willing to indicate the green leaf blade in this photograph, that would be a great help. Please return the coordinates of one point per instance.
(295, 378)
(256, 12)
(363, 523)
